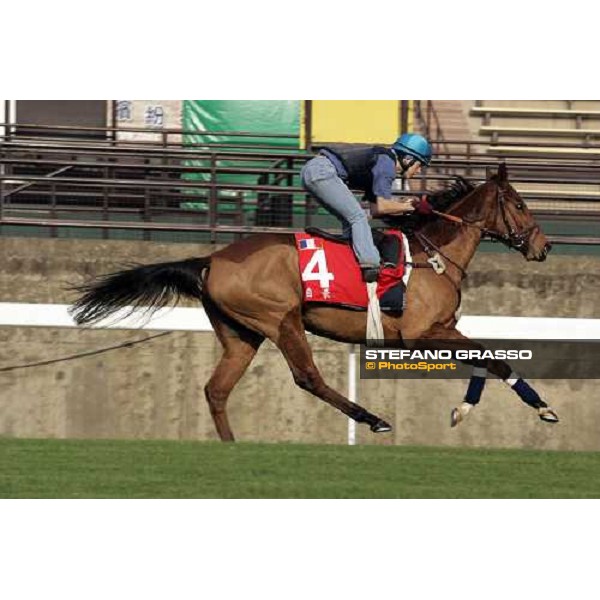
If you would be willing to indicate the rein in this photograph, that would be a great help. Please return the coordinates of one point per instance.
(512, 238)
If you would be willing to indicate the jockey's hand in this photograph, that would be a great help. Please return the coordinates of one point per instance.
(386, 206)
(405, 205)
(423, 206)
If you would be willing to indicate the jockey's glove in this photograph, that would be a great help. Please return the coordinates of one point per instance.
(423, 206)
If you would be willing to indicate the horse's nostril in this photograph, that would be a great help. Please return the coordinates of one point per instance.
(544, 252)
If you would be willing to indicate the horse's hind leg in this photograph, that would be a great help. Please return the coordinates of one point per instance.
(239, 348)
(295, 348)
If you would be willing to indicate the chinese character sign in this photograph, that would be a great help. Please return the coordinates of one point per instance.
(154, 116)
(124, 110)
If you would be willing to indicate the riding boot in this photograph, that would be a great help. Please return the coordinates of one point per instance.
(389, 249)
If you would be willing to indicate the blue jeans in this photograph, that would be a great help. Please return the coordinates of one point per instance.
(320, 178)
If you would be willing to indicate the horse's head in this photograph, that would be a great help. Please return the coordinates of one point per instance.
(509, 221)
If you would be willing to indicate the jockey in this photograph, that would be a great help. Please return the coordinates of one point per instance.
(371, 169)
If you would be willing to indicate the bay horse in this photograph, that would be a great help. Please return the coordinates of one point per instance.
(251, 290)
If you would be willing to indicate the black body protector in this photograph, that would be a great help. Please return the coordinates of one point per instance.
(359, 160)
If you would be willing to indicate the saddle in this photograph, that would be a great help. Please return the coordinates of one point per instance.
(393, 296)
(388, 245)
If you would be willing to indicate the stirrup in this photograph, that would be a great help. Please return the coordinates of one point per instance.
(370, 274)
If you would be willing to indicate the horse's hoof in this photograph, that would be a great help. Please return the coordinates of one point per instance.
(547, 415)
(459, 414)
(455, 417)
(381, 427)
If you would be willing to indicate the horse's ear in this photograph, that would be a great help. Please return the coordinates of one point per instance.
(502, 172)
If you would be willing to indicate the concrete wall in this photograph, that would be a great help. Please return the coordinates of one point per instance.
(154, 390)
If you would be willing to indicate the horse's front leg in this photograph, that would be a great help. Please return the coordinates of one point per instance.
(473, 395)
(454, 340)
(441, 338)
(525, 392)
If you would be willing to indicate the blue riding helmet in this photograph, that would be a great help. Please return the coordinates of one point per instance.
(414, 145)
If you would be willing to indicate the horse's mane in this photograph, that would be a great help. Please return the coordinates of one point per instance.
(441, 200)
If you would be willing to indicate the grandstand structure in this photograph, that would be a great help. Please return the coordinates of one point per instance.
(554, 144)
(168, 179)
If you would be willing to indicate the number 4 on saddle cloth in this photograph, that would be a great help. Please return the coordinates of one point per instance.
(331, 275)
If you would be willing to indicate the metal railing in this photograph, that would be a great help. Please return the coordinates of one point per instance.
(148, 137)
(215, 190)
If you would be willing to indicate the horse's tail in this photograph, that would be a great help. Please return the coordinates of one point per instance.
(147, 287)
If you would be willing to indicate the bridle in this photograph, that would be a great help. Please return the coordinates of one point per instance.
(518, 240)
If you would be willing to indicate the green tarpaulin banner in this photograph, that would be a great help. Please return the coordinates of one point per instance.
(254, 116)
(259, 116)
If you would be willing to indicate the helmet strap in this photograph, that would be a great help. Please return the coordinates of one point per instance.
(406, 162)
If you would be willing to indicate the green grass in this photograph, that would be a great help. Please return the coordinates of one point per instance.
(170, 469)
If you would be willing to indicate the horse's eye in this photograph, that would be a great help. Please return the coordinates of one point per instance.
(520, 205)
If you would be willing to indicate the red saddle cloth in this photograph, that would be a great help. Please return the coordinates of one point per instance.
(330, 273)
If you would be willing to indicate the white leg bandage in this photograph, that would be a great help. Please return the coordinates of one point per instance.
(512, 379)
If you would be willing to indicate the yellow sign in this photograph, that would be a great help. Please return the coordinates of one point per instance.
(355, 121)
